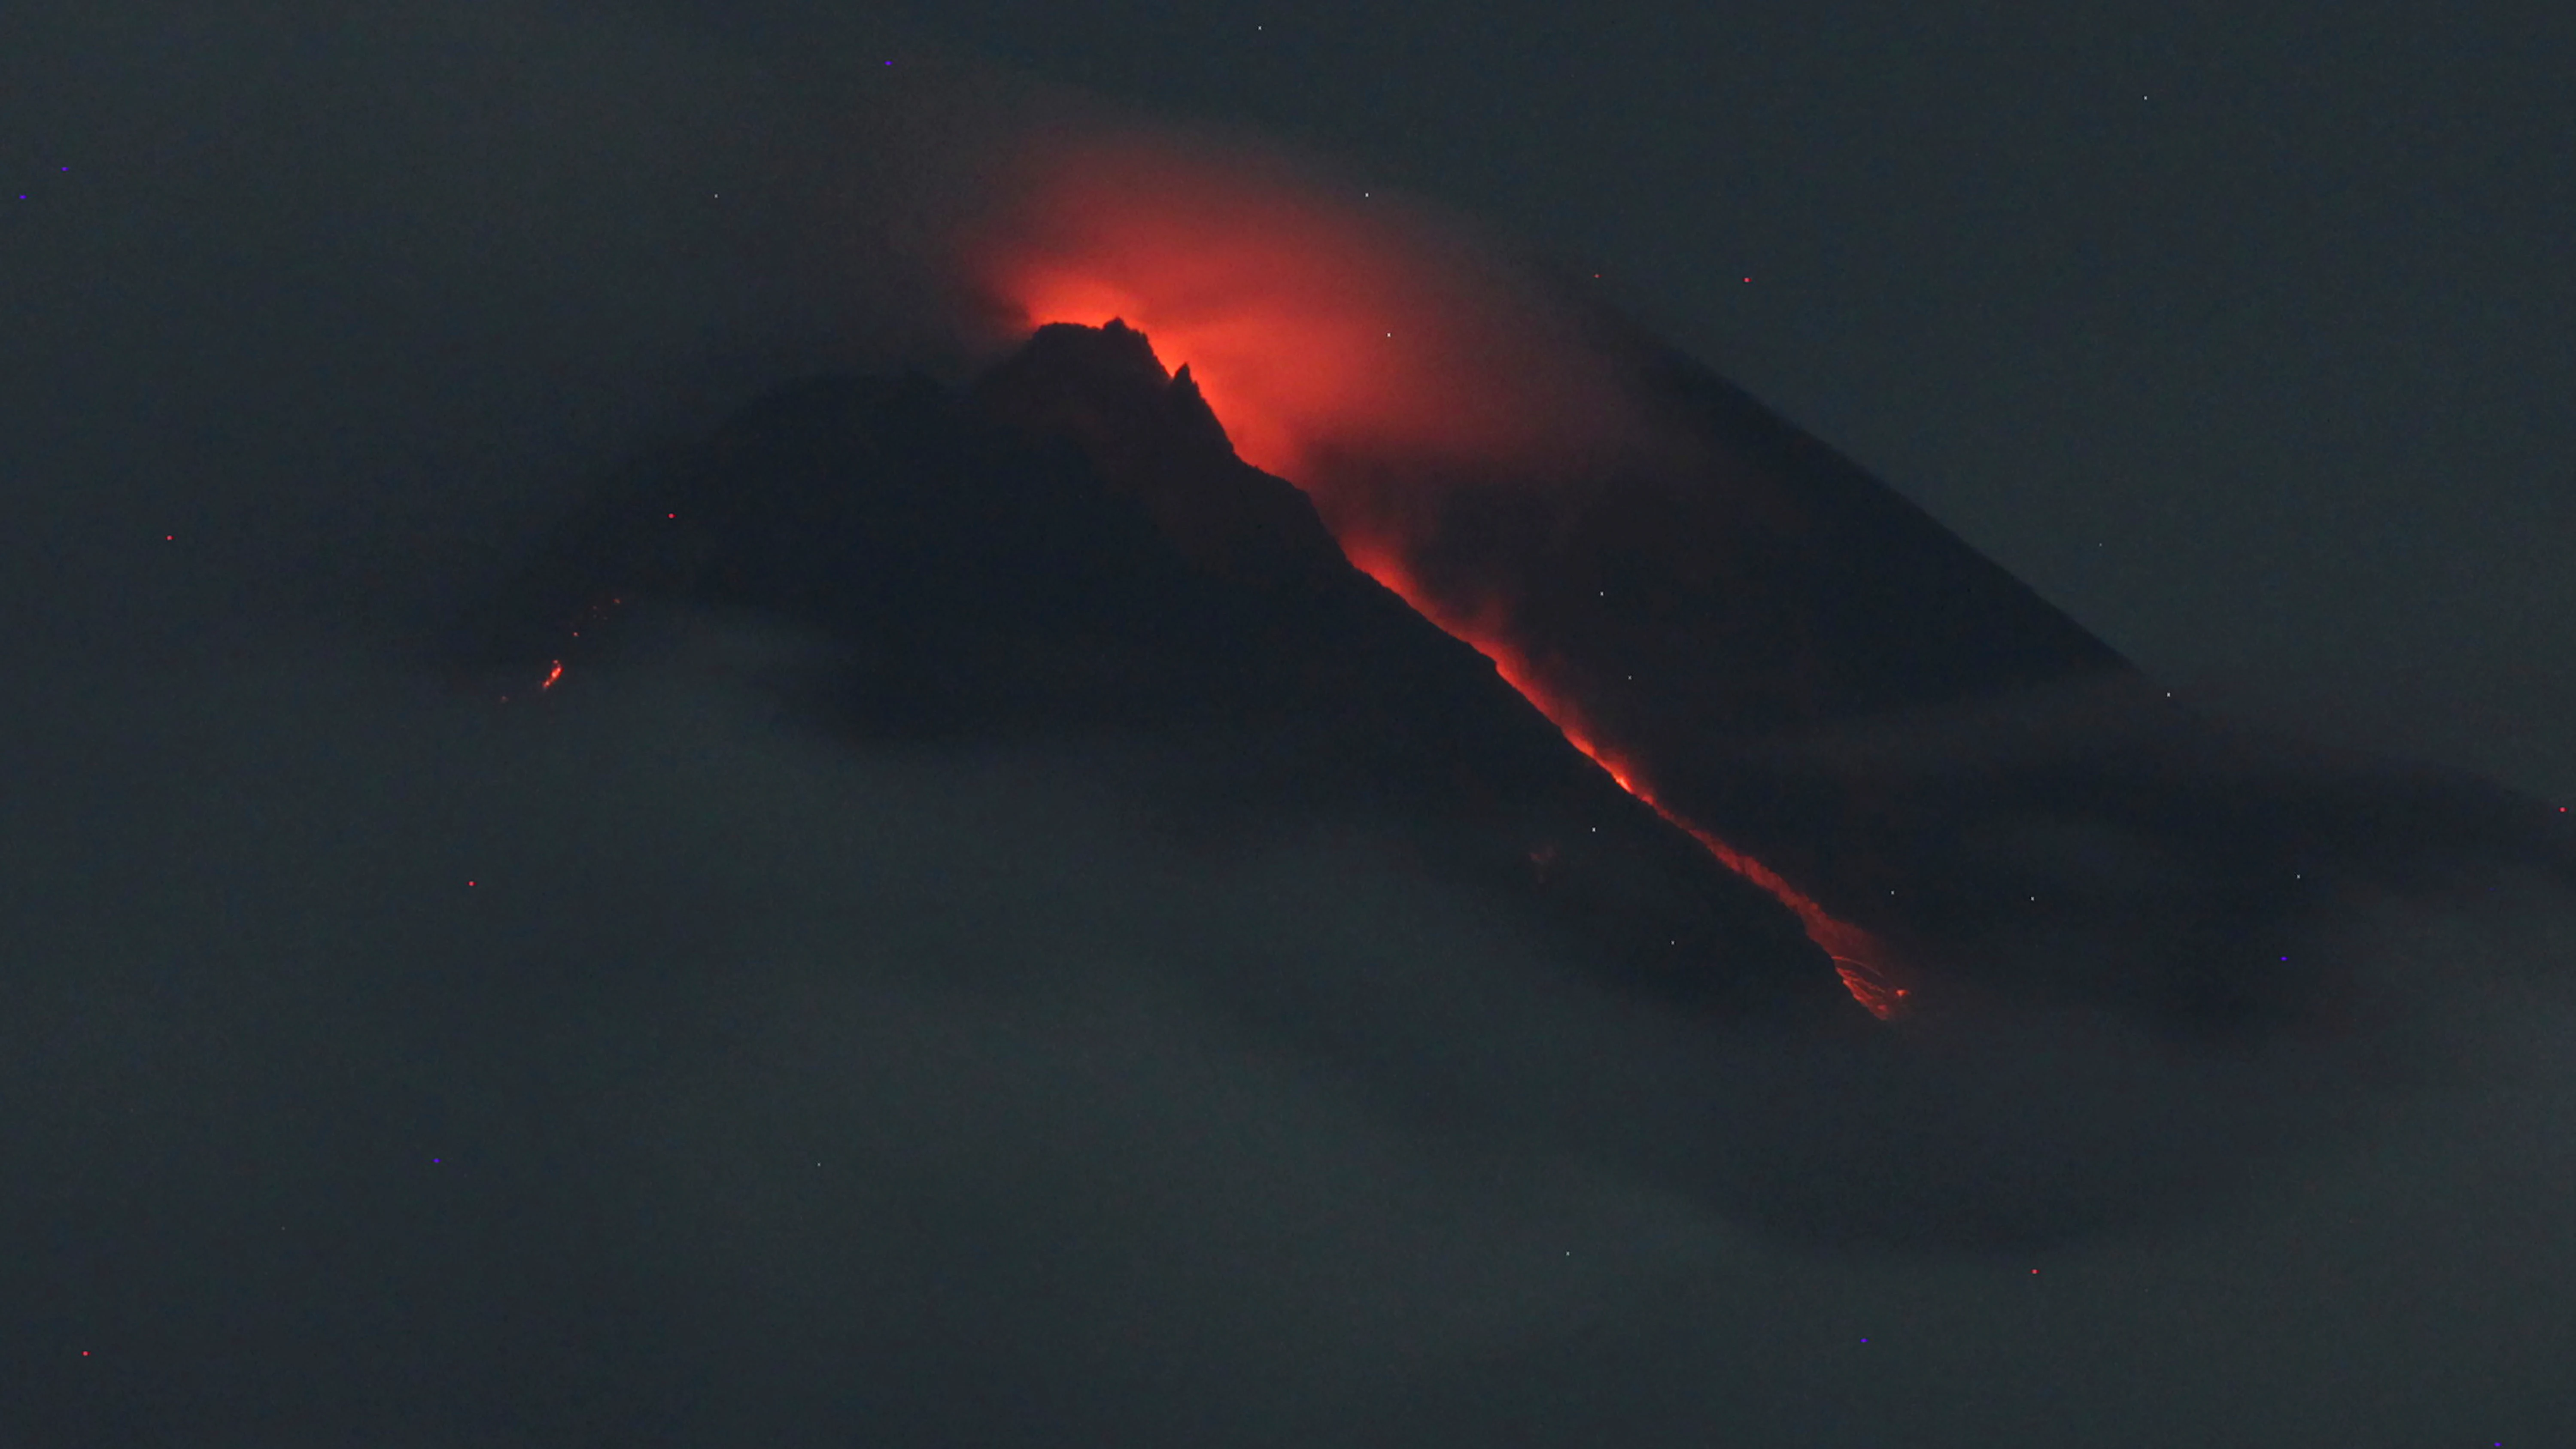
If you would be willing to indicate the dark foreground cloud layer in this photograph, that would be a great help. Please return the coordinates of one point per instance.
(384, 1065)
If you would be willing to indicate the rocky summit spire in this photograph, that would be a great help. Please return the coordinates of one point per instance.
(1152, 436)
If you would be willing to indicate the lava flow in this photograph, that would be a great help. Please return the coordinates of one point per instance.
(1322, 327)
(1859, 958)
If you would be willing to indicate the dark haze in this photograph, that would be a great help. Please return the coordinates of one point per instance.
(686, 1055)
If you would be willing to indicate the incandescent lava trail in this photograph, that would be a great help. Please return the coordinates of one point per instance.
(1940, 774)
(1374, 357)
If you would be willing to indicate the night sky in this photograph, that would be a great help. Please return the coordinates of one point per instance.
(380, 1064)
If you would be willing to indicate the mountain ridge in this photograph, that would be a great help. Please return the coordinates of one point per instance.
(1070, 544)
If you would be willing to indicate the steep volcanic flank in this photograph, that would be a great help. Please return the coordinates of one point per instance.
(1155, 439)
(1072, 548)
(1734, 727)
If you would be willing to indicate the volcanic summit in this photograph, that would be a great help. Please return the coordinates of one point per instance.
(1744, 729)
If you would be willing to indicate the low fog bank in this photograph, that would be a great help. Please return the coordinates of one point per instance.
(639, 1064)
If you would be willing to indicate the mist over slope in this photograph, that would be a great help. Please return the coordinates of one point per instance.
(1069, 550)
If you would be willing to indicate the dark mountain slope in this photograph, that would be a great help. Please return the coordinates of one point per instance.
(1787, 657)
(982, 580)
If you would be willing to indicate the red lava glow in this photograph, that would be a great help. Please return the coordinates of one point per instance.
(1312, 315)
(1859, 958)
(1323, 324)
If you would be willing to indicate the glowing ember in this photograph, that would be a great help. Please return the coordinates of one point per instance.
(551, 676)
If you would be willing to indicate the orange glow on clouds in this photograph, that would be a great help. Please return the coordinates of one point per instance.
(1325, 325)
(1313, 316)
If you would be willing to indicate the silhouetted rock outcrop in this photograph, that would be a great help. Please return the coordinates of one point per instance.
(1072, 548)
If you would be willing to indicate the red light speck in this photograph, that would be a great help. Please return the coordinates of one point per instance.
(552, 675)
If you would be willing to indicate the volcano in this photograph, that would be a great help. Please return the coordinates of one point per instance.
(1746, 731)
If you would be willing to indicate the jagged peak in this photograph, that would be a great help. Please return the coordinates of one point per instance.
(1101, 383)
(1112, 349)
(1152, 434)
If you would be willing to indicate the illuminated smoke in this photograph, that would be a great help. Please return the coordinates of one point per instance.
(1317, 318)
(1345, 338)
